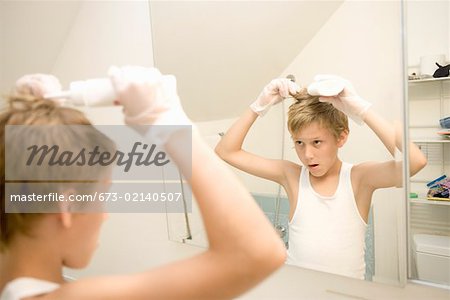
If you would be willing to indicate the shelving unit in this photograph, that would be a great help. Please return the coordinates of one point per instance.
(429, 100)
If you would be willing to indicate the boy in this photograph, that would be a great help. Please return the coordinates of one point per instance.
(329, 199)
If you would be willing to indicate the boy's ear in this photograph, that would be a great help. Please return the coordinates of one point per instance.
(66, 219)
(65, 209)
(342, 139)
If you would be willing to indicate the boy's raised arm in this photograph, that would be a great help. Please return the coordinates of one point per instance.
(382, 174)
(230, 146)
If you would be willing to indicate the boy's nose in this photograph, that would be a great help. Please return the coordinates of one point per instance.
(309, 152)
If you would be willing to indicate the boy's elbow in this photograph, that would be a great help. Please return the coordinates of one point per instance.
(270, 257)
(418, 165)
(423, 163)
(222, 152)
(278, 257)
(219, 150)
(249, 266)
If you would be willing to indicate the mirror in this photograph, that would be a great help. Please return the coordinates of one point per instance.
(429, 102)
(224, 53)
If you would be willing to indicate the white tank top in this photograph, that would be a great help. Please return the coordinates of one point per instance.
(24, 287)
(328, 233)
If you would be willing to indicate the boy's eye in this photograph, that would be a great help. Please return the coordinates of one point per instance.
(317, 142)
(299, 142)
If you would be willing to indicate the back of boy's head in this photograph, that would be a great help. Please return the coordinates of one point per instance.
(39, 113)
(308, 109)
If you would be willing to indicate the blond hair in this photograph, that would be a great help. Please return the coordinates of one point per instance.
(32, 111)
(308, 109)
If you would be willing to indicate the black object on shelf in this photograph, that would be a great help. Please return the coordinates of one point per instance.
(443, 71)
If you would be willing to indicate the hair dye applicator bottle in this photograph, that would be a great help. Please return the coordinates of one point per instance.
(91, 92)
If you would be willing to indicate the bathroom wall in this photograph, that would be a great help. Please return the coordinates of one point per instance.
(428, 29)
(29, 39)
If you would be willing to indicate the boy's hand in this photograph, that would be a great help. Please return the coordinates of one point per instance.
(347, 100)
(273, 93)
(148, 97)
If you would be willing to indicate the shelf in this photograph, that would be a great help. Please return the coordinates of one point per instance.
(429, 80)
(430, 141)
(433, 202)
(427, 126)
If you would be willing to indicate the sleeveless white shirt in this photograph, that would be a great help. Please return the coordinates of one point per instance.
(24, 287)
(328, 233)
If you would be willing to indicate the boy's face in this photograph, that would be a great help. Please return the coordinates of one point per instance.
(317, 148)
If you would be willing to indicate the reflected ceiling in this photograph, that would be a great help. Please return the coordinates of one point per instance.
(224, 52)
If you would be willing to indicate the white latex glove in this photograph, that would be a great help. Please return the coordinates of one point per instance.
(37, 85)
(341, 94)
(149, 98)
(273, 93)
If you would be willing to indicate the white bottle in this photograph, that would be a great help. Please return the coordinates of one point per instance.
(327, 87)
(91, 92)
